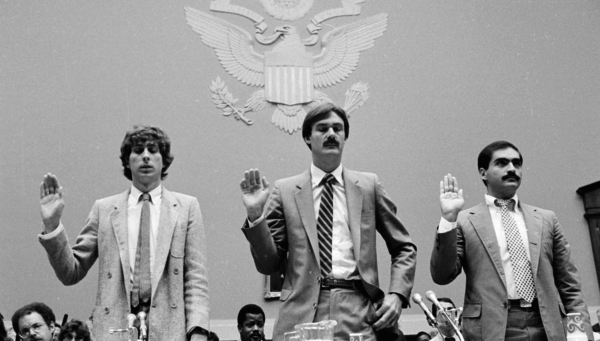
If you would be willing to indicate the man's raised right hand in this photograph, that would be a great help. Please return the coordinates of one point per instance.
(255, 192)
(51, 202)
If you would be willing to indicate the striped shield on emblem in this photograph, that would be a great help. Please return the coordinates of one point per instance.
(288, 78)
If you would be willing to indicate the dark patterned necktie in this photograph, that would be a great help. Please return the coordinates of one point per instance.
(325, 224)
(142, 281)
(522, 271)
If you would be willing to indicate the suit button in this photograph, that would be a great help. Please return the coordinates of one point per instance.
(176, 271)
(109, 275)
(505, 305)
(314, 306)
(106, 310)
(174, 306)
(153, 305)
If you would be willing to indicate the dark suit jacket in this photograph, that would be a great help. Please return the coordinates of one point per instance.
(179, 282)
(473, 246)
(290, 230)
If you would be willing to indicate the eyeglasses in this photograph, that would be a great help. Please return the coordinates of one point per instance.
(26, 332)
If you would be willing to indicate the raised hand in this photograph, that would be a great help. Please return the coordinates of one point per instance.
(51, 202)
(255, 192)
(451, 198)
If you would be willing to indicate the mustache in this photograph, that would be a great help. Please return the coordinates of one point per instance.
(331, 140)
(511, 176)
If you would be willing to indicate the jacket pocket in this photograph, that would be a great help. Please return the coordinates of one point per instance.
(472, 321)
(285, 293)
(472, 310)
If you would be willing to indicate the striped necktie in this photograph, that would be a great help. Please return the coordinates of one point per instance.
(522, 271)
(142, 283)
(325, 224)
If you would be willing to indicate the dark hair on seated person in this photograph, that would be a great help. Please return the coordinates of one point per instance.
(80, 329)
(35, 307)
(249, 309)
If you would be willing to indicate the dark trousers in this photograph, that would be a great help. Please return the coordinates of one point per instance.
(524, 324)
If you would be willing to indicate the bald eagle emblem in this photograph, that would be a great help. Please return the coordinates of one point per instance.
(290, 76)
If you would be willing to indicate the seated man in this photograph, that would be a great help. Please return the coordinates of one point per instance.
(74, 331)
(445, 328)
(251, 323)
(34, 321)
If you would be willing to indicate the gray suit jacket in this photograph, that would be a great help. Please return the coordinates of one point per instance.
(179, 282)
(473, 246)
(290, 231)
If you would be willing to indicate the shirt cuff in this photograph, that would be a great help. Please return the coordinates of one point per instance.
(256, 222)
(446, 226)
(52, 234)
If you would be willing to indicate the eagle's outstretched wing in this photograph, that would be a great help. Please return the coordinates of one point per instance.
(232, 44)
(342, 47)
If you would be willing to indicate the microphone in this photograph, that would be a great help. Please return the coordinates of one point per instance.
(130, 320)
(418, 300)
(143, 330)
(433, 299)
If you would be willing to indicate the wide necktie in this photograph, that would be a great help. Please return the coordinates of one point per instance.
(142, 283)
(325, 224)
(522, 271)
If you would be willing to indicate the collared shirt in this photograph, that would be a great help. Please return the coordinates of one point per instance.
(343, 261)
(496, 215)
(134, 213)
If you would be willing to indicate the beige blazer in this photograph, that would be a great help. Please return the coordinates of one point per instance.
(290, 231)
(472, 246)
(179, 282)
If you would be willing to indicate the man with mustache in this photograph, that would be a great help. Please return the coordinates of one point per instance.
(149, 243)
(323, 222)
(521, 279)
(34, 322)
(251, 323)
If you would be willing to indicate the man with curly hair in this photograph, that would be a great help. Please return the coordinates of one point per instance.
(149, 243)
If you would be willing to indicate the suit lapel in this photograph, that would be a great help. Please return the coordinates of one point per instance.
(354, 201)
(305, 206)
(533, 223)
(118, 218)
(169, 210)
(482, 223)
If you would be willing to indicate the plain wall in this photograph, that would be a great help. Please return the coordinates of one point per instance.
(445, 79)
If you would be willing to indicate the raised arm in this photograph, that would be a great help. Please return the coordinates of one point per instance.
(445, 262)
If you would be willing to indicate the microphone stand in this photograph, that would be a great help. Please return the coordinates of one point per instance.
(433, 299)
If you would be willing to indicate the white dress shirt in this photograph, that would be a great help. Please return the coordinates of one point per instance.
(343, 263)
(496, 215)
(134, 213)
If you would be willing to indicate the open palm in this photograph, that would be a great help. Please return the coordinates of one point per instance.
(451, 198)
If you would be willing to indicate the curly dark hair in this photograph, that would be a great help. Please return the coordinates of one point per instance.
(249, 309)
(35, 307)
(141, 134)
(79, 328)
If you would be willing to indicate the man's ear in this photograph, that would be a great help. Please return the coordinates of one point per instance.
(307, 140)
(239, 329)
(483, 173)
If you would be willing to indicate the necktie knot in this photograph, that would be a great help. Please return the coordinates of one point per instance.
(145, 197)
(508, 204)
(328, 179)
